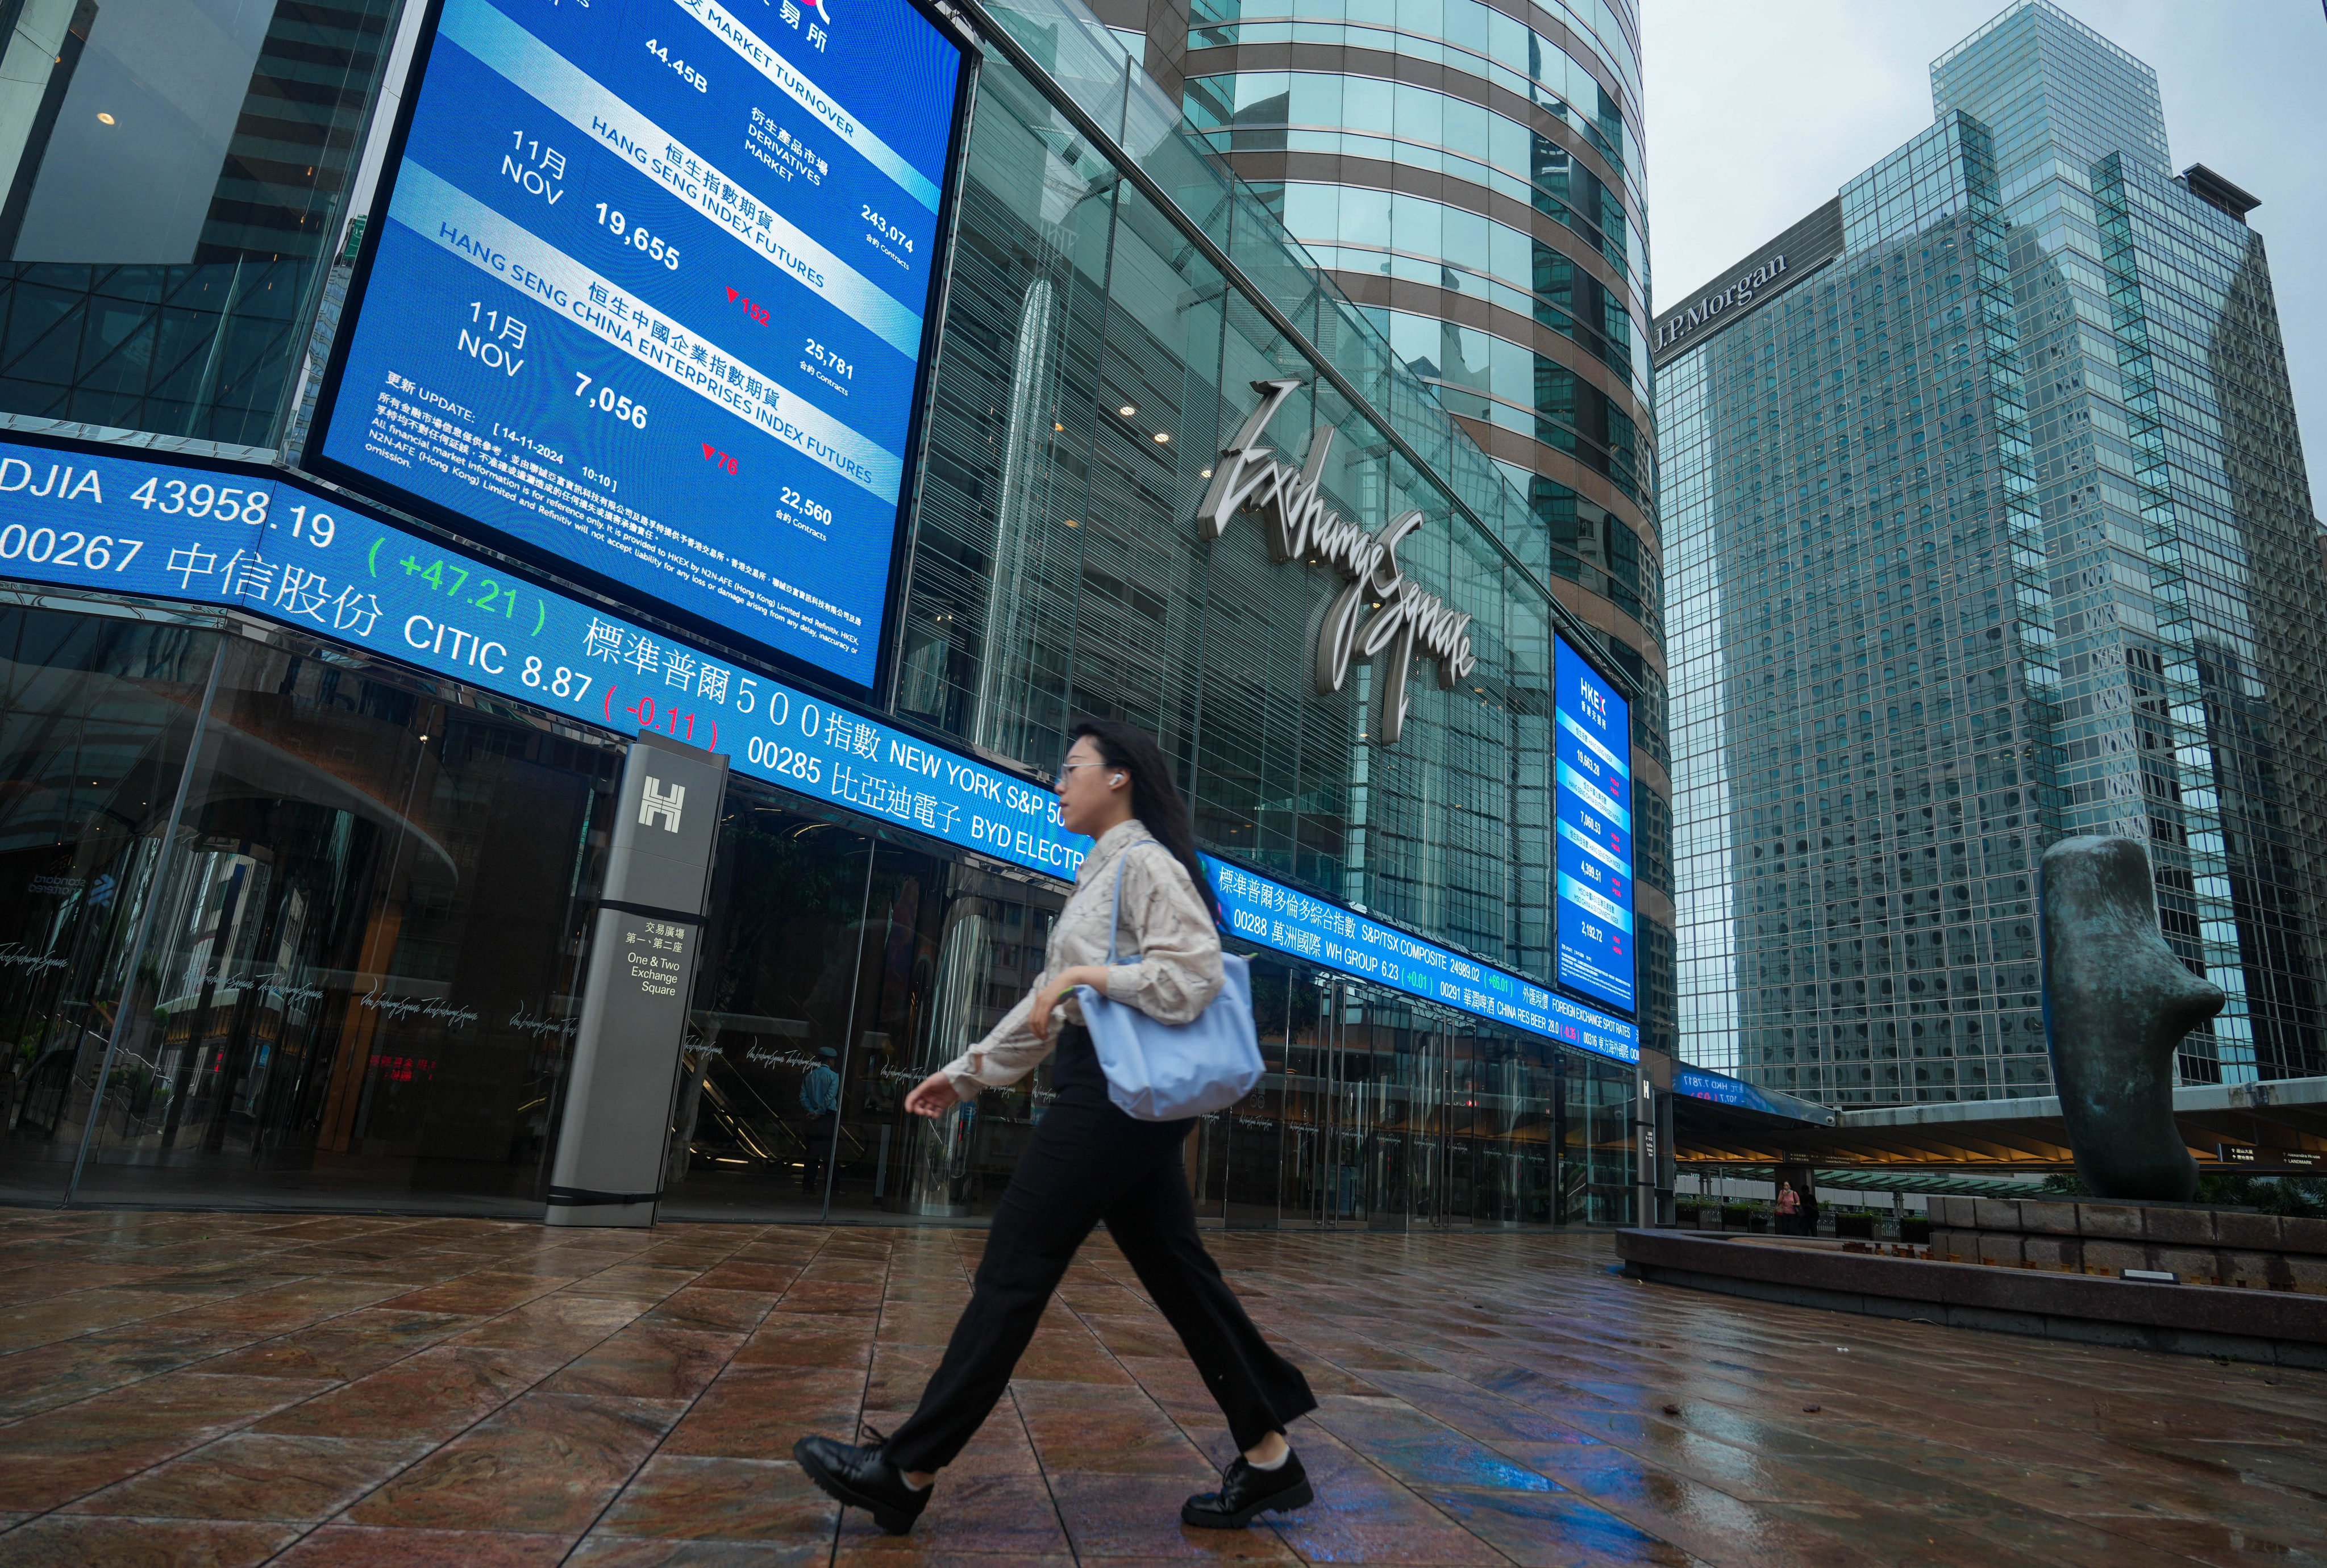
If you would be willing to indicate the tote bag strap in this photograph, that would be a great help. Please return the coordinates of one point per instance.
(1115, 920)
(1115, 915)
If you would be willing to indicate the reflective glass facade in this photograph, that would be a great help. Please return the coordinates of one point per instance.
(1470, 175)
(1989, 530)
(327, 914)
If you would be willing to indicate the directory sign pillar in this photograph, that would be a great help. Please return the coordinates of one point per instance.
(616, 1127)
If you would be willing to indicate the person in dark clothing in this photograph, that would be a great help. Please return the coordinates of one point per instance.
(1089, 1162)
(820, 1100)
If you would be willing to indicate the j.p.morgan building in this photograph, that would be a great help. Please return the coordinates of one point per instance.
(537, 648)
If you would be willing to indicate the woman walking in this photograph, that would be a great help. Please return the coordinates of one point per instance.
(1088, 1161)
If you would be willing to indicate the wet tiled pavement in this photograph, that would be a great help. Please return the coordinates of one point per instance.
(231, 1388)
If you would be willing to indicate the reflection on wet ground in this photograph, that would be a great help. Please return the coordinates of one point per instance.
(232, 1388)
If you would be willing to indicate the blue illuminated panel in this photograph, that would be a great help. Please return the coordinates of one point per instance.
(651, 302)
(260, 542)
(1272, 915)
(1594, 817)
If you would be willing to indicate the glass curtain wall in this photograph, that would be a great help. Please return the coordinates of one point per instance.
(175, 171)
(1095, 361)
(328, 940)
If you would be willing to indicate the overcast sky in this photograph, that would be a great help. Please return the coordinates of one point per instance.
(1758, 110)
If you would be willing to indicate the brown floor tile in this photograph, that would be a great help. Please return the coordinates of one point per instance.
(1486, 1397)
(634, 1283)
(717, 1311)
(883, 1555)
(598, 1551)
(999, 1448)
(900, 1373)
(1005, 1516)
(1555, 1529)
(67, 1370)
(646, 1362)
(808, 1339)
(1111, 1516)
(359, 1546)
(132, 1427)
(69, 1541)
(548, 1463)
(726, 1499)
(279, 1309)
(1077, 1358)
(250, 1476)
(766, 1279)
(810, 1296)
(82, 1313)
(1093, 1428)
(475, 1294)
(345, 1347)
(559, 1325)
(759, 1413)
(432, 1394)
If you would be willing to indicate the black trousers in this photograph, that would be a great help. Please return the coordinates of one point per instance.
(1087, 1162)
(816, 1136)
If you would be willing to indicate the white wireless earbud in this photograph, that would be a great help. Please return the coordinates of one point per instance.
(1116, 780)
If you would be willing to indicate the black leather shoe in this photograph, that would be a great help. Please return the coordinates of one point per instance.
(1246, 1492)
(862, 1478)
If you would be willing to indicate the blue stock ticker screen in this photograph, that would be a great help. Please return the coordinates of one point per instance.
(260, 542)
(1593, 824)
(651, 300)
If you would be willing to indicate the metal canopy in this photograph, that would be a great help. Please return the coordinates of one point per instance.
(2278, 1127)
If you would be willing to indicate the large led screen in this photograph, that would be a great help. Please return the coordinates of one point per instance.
(111, 520)
(1593, 816)
(650, 302)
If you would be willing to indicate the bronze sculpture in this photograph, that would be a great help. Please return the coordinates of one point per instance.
(2116, 1004)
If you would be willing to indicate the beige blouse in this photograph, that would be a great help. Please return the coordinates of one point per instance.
(1166, 921)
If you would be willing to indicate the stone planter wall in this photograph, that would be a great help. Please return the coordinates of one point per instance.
(2077, 1235)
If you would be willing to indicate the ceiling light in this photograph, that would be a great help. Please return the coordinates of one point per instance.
(103, 118)
(1203, 473)
(1072, 523)
(1163, 438)
(1128, 409)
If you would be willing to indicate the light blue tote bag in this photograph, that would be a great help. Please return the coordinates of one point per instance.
(1166, 1072)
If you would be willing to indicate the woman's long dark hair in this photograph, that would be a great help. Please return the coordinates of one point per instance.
(1154, 799)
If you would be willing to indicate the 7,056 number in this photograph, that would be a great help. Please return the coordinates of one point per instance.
(611, 401)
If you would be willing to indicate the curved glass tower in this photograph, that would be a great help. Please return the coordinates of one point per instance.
(1469, 172)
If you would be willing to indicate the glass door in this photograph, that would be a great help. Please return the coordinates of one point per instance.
(357, 983)
(96, 714)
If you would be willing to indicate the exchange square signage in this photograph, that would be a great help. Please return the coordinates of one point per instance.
(1405, 617)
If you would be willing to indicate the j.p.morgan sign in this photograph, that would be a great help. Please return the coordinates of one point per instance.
(1407, 618)
(1786, 262)
(1684, 323)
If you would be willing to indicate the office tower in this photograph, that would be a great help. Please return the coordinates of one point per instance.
(1470, 175)
(1989, 525)
(319, 788)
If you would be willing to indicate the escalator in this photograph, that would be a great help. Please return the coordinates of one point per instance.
(735, 1128)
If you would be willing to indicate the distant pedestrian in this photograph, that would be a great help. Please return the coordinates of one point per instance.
(1089, 1161)
(1789, 1210)
(820, 1100)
